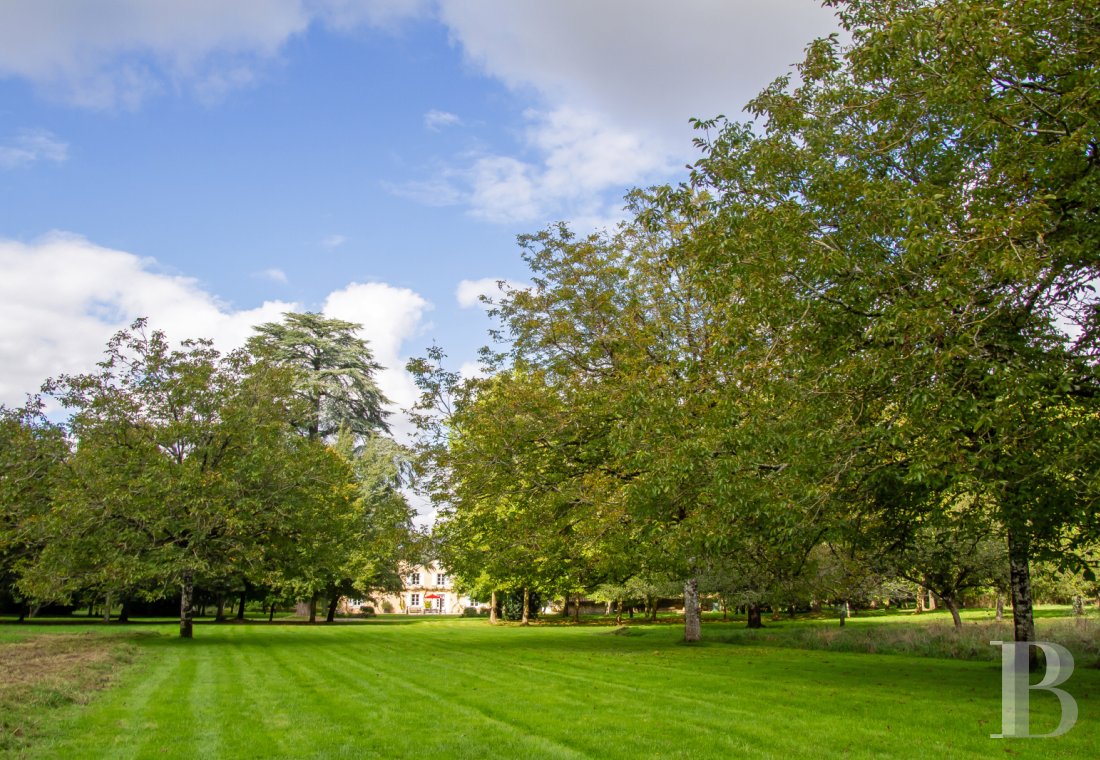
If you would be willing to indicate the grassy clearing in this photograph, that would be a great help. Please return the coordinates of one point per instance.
(44, 672)
(460, 688)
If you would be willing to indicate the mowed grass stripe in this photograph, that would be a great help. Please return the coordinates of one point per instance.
(703, 727)
(467, 690)
(352, 668)
(708, 715)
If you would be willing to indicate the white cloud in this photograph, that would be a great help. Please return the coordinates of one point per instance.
(275, 275)
(333, 241)
(469, 292)
(62, 297)
(437, 120)
(114, 53)
(614, 103)
(638, 62)
(472, 369)
(31, 146)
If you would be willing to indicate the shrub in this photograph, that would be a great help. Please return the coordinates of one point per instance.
(470, 612)
(387, 607)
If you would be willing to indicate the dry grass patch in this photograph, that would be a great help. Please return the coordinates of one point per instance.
(42, 673)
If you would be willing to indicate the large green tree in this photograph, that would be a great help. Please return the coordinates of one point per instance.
(185, 466)
(921, 209)
(336, 373)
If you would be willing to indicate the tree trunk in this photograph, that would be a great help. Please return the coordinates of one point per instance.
(493, 609)
(845, 612)
(565, 608)
(240, 606)
(332, 605)
(1000, 608)
(1019, 574)
(921, 595)
(124, 611)
(1078, 605)
(185, 605)
(220, 616)
(577, 608)
(107, 609)
(725, 612)
(526, 620)
(313, 609)
(953, 607)
(692, 619)
(271, 615)
(754, 616)
(619, 612)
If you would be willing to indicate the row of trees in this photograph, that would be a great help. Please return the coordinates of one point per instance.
(866, 325)
(266, 471)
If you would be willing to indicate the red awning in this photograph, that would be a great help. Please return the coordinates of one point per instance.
(433, 596)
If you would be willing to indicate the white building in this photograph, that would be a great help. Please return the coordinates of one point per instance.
(427, 591)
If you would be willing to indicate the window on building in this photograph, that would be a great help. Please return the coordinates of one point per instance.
(414, 579)
(414, 600)
(441, 579)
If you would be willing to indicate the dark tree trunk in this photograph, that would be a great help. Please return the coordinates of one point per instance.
(493, 609)
(845, 612)
(333, 603)
(754, 616)
(1019, 573)
(313, 609)
(952, 605)
(271, 615)
(725, 612)
(124, 611)
(577, 608)
(220, 616)
(240, 606)
(526, 603)
(185, 605)
(692, 620)
(565, 608)
(619, 612)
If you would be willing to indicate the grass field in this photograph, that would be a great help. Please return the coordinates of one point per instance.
(461, 688)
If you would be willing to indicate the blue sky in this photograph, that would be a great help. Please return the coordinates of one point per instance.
(210, 164)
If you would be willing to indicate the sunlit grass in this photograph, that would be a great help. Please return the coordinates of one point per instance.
(403, 687)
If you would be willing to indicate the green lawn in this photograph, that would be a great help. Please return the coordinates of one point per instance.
(460, 688)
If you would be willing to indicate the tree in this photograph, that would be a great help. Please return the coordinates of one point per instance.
(921, 209)
(337, 373)
(33, 451)
(185, 466)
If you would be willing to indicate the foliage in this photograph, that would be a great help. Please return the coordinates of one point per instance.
(184, 464)
(336, 373)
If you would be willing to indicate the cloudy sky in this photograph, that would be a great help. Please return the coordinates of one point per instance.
(212, 164)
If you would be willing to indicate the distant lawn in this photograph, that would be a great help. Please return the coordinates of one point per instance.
(416, 687)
